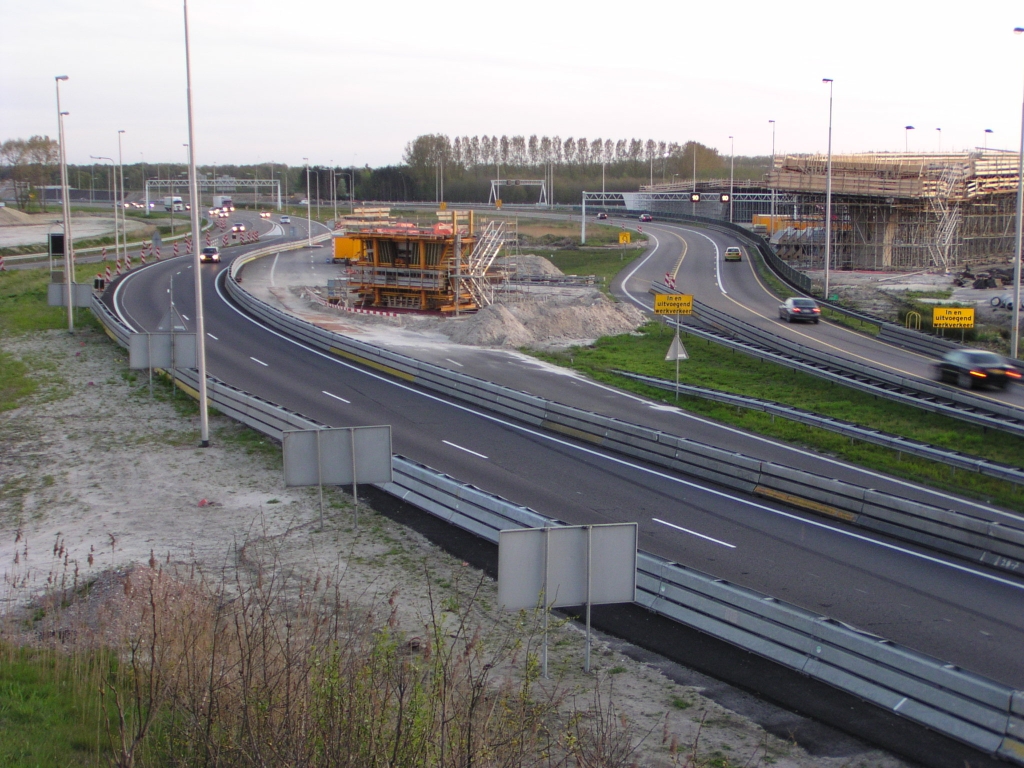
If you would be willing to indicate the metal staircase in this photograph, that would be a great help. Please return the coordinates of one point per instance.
(948, 215)
(486, 250)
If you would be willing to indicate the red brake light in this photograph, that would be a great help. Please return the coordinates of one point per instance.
(1013, 373)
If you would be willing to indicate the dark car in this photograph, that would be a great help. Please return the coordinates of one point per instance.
(969, 368)
(210, 253)
(238, 227)
(800, 309)
(646, 217)
(602, 215)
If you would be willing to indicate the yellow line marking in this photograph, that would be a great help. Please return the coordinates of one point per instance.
(374, 364)
(799, 501)
(679, 263)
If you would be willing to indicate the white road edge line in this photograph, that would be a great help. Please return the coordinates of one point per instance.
(694, 533)
(212, 337)
(259, 361)
(453, 445)
(455, 362)
(336, 397)
(623, 462)
(185, 316)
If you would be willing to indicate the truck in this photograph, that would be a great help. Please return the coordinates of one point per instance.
(173, 203)
(223, 202)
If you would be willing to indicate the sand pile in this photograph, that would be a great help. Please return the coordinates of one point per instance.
(550, 322)
(528, 264)
(12, 217)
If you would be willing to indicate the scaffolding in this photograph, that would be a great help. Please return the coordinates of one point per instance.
(444, 268)
(898, 211)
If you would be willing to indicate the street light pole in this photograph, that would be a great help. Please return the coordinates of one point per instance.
(69, 259)
(732, 172)
(771, 229)
(117, 239)
(120, 207)
(693, 202)
(1015, 329)
(987, 132)
(309, 215)
(197, 267)
(828, 189)
(906, 138)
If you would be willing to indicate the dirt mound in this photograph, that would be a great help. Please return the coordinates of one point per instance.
(529, 264)
(553, 322)
(12, 217)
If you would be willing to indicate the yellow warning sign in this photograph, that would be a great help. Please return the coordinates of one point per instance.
(673, 304)
(953, 317)
(624, 238)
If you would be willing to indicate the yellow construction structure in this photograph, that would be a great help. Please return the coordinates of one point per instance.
(405, 266)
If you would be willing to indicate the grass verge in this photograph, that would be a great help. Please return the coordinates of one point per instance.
(714, 367)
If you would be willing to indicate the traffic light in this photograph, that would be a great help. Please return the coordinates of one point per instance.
(695, 197)
(724, 197)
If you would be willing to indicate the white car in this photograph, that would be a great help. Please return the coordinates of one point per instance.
(264, 214)
(239, 227)
(286, 219)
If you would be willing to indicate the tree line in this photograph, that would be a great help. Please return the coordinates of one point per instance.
(433, 167)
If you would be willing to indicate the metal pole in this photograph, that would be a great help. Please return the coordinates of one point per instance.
(771, 229)
(309, 215)
(120, 206)
(828, 190)
(355, 485)
(320, 476)
(583, 221)
(334, 193)
(732, 172)
(590, 550)
(69, 261)
(193, 186)
(547, 538)
(1015, 329)
(692, 201)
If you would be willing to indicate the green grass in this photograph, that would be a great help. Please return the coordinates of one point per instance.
(23, 301)
(49, 715)
(605, 263)
(713, 367)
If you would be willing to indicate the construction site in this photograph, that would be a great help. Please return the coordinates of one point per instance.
(895, 211)
(399, 265)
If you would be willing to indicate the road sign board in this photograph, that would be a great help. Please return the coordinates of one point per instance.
(953, 317)
(677, 351)
(624, 238)
(673, 304)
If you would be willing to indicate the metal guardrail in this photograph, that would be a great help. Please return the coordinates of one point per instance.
(995, 544)
(848, 429)
(925, 395)
(969, 708)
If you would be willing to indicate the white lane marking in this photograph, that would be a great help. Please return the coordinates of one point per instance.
(454, 362)
(453, 445)
(768, 441)
(178, 272)
(336, 397)
(694, 533)
(259, 361)
(185, 316)
(625, 463)
(212, 337)
(273, 267)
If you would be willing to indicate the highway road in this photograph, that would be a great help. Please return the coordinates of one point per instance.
(959, 613)
(694, 256)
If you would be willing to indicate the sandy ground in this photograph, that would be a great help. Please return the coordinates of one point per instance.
(83, 227)
(90, 462)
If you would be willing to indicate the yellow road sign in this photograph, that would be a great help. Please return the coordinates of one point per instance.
(953, 317)
(673, 304)
(624, 238)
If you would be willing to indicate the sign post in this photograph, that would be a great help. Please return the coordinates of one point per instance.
(674, 304)
(953, 317)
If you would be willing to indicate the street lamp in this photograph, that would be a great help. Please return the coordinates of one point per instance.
(69, 260)
(828, 189)
(732, 169)
(987, 132)
(120, 167)
(113, 177)
(694, 197)
(309, 216)
(352, 189)
(772, 228)
(1015, 330)
(906, 137)
(940, 138)
(197, 266)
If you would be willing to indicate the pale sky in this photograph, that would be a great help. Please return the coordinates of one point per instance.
(351, 83)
